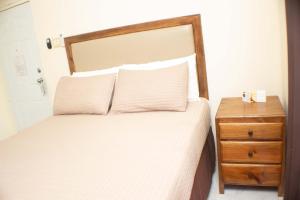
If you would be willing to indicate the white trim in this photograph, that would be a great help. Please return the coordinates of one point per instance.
(12, 5)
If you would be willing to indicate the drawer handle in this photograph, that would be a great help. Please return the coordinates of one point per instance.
(252, 176)
(250, 133)
(250, 154)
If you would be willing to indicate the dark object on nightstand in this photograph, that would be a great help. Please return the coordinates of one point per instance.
(250, 141)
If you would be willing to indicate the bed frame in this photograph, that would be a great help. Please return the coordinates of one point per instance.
(140, 43)
(147, 42)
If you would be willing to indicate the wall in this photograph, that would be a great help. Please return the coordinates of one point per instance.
(6, 4)
(7, 125)
(244, 40)
(284, 54)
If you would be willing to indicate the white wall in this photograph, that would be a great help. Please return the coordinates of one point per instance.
(245, 41)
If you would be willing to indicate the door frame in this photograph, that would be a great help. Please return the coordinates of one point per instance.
(292, 172)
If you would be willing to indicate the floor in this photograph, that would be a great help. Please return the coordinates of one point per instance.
(241, 193)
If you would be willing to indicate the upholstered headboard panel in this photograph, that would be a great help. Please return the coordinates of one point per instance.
(139, 43)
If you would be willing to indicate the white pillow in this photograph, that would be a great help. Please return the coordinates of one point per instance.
(112, 70)
(193, 88)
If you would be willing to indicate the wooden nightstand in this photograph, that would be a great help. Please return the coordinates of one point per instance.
(251, 143)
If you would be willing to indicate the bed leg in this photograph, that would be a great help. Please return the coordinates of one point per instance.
(221, 188)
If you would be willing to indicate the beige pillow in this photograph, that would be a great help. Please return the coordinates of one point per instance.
(150, 90)
(84, 95)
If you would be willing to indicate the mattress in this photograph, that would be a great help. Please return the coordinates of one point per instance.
(149, 155)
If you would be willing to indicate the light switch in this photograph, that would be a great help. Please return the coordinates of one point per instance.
(58, 42)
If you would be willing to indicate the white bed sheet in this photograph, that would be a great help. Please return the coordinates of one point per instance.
(134, 156)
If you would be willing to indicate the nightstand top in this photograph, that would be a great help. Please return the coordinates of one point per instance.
(234, 107)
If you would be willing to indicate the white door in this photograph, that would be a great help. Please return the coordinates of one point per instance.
(20, 64)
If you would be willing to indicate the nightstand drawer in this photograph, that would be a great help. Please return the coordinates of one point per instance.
(256, 175)
(249, 131)
(251, 152)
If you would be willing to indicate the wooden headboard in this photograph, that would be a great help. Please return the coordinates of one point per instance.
(140, 43)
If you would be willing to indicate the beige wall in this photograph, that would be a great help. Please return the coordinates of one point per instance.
(284, 55)
(244, 40)
(6, 4)
(7, 124)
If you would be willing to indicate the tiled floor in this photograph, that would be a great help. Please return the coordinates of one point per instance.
(241, 193)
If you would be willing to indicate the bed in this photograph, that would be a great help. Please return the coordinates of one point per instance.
(118, 156)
